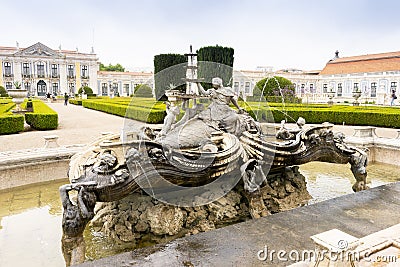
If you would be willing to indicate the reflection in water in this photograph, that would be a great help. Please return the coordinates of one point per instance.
(30, 217)
(328, 180)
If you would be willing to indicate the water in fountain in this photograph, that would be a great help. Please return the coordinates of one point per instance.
(283, 111)
(30, 216)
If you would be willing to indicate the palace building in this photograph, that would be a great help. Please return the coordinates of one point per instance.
(41, 69)
(374, 75)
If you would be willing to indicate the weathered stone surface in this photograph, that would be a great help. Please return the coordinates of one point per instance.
(165, 219)
(139, 218)
(358, 214)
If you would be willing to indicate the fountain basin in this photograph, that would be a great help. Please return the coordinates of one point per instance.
(18, 96)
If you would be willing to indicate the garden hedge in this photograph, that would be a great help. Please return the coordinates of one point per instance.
(151, 111)
(10, 123)
(75, 102)
(348, 115)
(42, 117)
(141, 113)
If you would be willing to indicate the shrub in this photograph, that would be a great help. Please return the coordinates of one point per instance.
(87, 89)
(165, 74)
(374, 116)
(140, 112)
(10, 123)
(75, 102)
(276, 86)
(216, 54)
(143, 90)
(42, 117)
(3, 92)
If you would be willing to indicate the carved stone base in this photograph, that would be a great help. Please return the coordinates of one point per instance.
(138, 218)
(285, 190)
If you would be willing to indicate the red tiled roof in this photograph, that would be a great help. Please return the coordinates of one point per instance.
(365, 63)
(102, 72)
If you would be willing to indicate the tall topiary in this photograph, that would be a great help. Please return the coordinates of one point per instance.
(143, 90)
(87, 89)
(217, 54)
(165, 74)
(276, 86)
(3, 92)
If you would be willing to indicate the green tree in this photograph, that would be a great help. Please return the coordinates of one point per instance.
(3, 92)
(143, 90)
(165, 74)
(118, 67)
(87, 89)
(276, 87)
(216, 54)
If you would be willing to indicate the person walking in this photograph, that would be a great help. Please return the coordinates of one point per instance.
(66, 96)
(393, 97)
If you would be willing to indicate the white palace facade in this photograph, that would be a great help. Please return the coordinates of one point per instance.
(41, 69)
(374, 75)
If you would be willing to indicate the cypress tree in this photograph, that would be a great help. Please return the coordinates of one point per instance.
(165, 74)
(207, 69)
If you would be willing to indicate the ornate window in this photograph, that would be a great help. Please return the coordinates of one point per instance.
(54, 71)
(115, 88)
(312, 90)
(373, 89)
(247, 87)
(84, 73)
(236, 87)
(40, 70)
(7, 69)
(71, 72)
(55, 88)
(27, 86)
(325, 88)
(104, 88)
(339, 89)
(26, 70)
(393, 86)
(126, 89)
(71, 87)
(355, 87)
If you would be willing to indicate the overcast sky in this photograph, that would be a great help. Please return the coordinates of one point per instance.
(300, 34)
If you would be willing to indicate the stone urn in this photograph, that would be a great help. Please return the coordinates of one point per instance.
(18, 96)
(356, 96)
(331, 95)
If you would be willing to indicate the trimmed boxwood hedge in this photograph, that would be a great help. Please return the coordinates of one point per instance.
(151, 111)
(10, 123)
(42, 117)
(75, 102)
(349, 115)
(140, 113)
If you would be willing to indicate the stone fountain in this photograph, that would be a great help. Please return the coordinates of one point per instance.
(18, 96)
(214, 166)
(356, 96)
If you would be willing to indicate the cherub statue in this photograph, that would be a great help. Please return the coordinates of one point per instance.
(169, 120)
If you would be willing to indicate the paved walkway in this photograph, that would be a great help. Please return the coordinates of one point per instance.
(77, 125)
(359, 214)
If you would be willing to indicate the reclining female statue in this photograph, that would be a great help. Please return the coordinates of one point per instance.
(219, 116)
